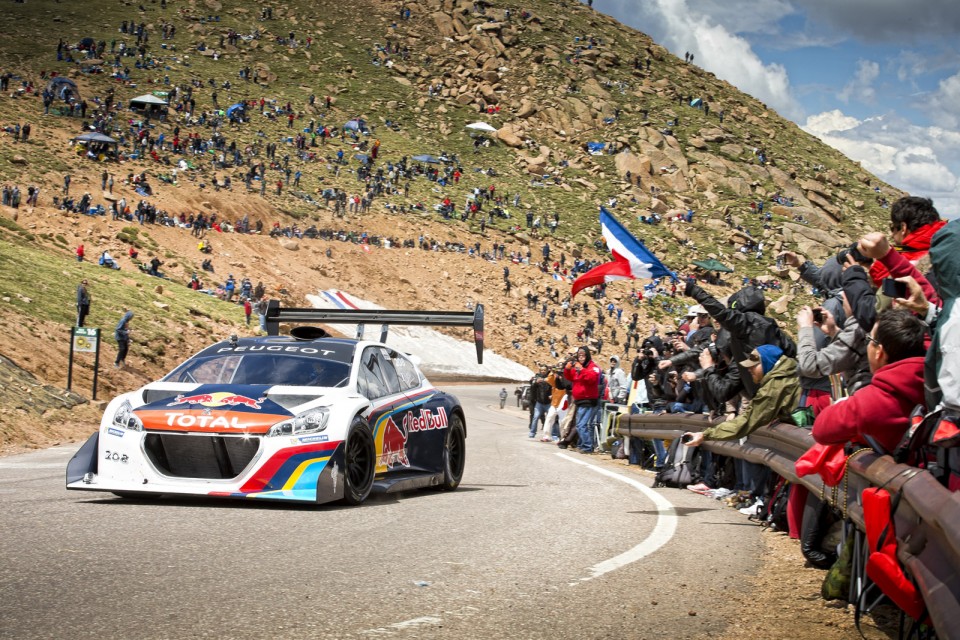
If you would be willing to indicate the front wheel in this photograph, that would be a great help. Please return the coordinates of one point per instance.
(359, 463)
(454, 454)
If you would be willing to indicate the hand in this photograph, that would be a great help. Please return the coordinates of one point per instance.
(847, 309)
(695, 439)
(805, 317)
(915, 300)
(680, 345)
(706, 360)
(874, 245)
(689, 376)
(848, 262)
(792, 259)
(688, 289)
(664, 364)
(829, 324)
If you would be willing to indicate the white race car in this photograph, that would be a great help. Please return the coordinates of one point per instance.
(305, 418)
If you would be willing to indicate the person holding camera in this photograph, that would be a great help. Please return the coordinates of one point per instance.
(617, 385)
(540, 394)
(584, 376)
(558, 391)
(778, 392)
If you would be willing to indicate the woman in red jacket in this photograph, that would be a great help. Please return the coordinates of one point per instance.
(584, 374)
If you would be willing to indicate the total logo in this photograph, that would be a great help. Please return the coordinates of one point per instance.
(217, 399)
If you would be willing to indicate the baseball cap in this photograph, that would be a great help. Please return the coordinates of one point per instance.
(698, 310)
(752, 360)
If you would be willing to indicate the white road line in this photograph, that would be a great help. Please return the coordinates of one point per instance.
(662, 532)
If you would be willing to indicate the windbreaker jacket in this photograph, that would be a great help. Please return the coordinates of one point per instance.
(915, 245)
(776, 399)
(747, 325)
(942, 368)
(881, 410)
(846, 354)
(586, 382)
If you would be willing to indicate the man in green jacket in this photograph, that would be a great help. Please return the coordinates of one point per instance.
(777, 397)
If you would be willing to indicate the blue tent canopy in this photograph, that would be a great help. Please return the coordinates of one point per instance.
(427, 158)
(356, 125)
(596, 148)
(234, 107)
(696, 102)
(362, 157)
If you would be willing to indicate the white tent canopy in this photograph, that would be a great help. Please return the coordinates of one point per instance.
(482, 126)
(149, 99)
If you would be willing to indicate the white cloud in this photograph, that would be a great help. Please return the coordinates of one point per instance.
(912, 158)
(860, 87)
(944, 104)
(830, 122)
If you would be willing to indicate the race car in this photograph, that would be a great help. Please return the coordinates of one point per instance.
(305, 418)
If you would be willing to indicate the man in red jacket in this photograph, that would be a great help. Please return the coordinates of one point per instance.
(879, 413)
(584, 376)
(913, 222)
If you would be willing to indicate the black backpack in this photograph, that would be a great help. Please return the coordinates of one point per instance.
(933, 443)
(773, 512)
(682, 467)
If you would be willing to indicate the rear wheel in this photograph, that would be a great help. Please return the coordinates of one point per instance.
(359, 463)
(454, 454)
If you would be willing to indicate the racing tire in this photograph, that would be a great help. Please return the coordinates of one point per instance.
(359, 463)
(454, 454)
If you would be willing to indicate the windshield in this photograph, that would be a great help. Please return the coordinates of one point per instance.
(262, 368)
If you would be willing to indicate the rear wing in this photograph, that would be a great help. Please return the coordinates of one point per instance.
(309, 316)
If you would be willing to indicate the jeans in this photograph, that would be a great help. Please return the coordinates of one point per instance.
(552, 423)
(539, 409)
(585, 419)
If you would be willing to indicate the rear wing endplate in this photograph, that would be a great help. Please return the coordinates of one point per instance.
(307, 316)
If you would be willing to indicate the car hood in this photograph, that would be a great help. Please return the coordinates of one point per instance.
(215, 408)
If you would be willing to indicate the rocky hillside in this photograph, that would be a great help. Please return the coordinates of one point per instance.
(586, 112)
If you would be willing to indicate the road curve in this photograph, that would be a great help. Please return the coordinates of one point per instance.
(536, 543)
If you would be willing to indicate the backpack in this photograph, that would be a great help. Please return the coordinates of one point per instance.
(933, 443)
(773, 512)
(682, 467)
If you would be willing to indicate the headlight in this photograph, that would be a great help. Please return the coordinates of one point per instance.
(309, 422)
(125, 418)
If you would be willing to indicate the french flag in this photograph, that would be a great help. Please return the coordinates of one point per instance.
(630, 258)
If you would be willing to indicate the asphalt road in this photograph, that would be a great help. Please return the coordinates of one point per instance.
(536, 543)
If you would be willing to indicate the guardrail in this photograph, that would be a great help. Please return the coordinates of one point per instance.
(927, 519)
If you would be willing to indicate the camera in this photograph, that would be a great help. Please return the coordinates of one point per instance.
(648, 353)
(893, 289)
(854, 251)
(818, 316)
(713, 351)
(685, 438)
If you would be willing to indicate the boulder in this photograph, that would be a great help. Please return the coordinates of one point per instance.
(289, 244)
(509, 138)
(636, 165)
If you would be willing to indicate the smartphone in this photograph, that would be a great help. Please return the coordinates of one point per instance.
(893, 289)
(818, 316)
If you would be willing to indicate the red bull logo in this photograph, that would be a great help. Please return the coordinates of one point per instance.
(218, 399)
(425, 421)
(394, 450)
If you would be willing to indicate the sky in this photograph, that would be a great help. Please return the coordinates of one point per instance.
(879, 80)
